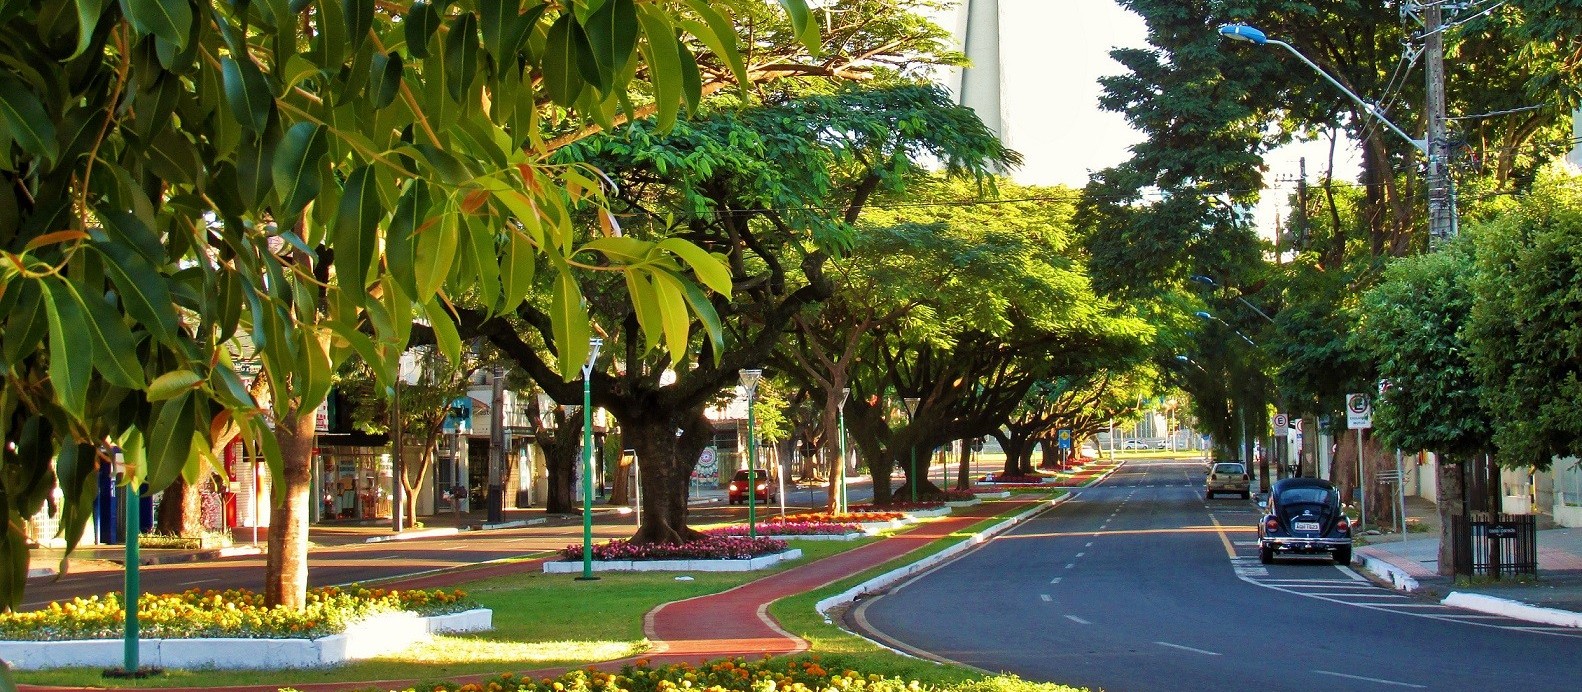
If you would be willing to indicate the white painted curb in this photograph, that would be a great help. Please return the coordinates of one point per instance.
(1513, 609)
(1397, 577)
(376, 636)
(409, 535)
(757, 563)
(929, 513)
(819, 536)
(992, 495)
(964, 503)
(849, 595)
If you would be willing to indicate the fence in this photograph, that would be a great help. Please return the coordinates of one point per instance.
(1495, 545)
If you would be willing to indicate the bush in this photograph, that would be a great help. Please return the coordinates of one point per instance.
(230, 613)
(855, 516)
(788, 527)
(709, 547)
(899, 506)
(1005, 478)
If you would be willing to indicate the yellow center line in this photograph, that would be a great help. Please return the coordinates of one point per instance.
(1230, 550)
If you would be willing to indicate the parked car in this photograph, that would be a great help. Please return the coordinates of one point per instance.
(737, 492)
(1303, 517)
(1134, 444)
(1162, 444)
(1228, 477)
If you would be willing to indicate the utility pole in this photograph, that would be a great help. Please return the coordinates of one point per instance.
(1441, 224)
(496, 512)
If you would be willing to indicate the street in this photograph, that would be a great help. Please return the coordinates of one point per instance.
(1141, 584)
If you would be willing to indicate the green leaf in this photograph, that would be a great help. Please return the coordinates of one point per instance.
(664, 64)
(172, 384)
(624, 249)
(516, 272)
(569, 323)
(27, 322)
(565, 52)
(673, 314)
(359, 19)
(173, 157)
(89, 12)
(706, 315)
(691, 78)
(385, 81)
(480, 239)
(719, 36)
(461, 55)
(646, 307)
(444, 326)
(400, 238)
(296, 171)
(436, 252)
(710, 270)
(25, 121)
(505, 26)
(247, 92)
(70, 348)
(803, 24)
(170, 20)
(114, 349)
(254, 156)
(612, 36)
(170, 442)
(420, 23)
(355, 231)
(142, 289)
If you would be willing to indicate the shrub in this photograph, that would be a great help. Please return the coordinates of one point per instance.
(855, 516)
(788, 527)
(899, 506)
(709, 547)
(230, 613)
(1009, 478)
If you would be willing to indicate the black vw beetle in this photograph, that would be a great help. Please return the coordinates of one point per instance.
(1303, 517)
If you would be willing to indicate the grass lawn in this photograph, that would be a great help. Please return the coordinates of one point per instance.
(543, 621)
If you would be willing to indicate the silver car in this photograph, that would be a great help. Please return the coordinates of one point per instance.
(1228, 477)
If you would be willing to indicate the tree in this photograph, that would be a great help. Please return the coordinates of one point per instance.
(242, 162)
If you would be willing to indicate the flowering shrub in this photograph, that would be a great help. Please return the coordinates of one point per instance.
(724, 675)
(792, 528)
(709, 547)
(1010, 478)
(853, 517)
(230, 613)
(899, 506)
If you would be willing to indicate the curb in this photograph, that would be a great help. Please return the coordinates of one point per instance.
(1512, 609)
(1397, 577)
(409, 535)
(877, 583)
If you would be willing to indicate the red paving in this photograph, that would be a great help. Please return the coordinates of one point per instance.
(731, 623)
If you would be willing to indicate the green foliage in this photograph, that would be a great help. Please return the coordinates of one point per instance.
(1525, 330)
(1412, 328)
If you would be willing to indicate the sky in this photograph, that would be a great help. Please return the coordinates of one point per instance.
(1054, 52)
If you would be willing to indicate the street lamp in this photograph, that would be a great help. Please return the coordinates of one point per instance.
(1206, 281)
(750, 379)
(840, 486)
(1242, 32)
(587, 459)
(1213, 318)
(911, 416)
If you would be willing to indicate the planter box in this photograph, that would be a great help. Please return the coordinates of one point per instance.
(757, 563)
(964, 503)
(822, 537)
(873, 527)
(929, 513)
(375, 636)
(993, 494)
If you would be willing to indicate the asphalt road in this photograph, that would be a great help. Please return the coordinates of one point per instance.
(1141, 584)
(366, 562)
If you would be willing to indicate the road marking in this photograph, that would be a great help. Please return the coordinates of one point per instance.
(1078, 620)
(1188, 648)
(1045, 597)
(1089, 545)
(1081, 554)
(1245, 544)
(1381, 681)
(1350, 573)
(1354, 594)
(1056, 580)
(1069, 565)
(197, 581)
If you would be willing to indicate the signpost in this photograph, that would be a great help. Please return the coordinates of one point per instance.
(1359, 416)
(1064, 438)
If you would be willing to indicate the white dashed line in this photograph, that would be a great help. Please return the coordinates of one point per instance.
(1069, 565)
(1381, 681)
(1056, 580)
(1089, 545)
(1188, 648)
(1078, 620)
(1045, 597)
(1081, 554)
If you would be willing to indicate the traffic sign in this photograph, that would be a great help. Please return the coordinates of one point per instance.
(1282, 424)
(1064, 436)
(1359, 412)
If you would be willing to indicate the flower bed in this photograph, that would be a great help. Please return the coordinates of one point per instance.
(789, 528)
(1009, 479)
(799, 674)
(898, 507)
(853, 517)
(710, 547)
(233, 613)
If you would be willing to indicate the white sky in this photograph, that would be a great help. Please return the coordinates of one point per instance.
(1054, 52)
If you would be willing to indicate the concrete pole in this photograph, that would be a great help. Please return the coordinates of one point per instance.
(1441, 225)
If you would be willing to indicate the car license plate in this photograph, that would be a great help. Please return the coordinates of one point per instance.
(1307, 526)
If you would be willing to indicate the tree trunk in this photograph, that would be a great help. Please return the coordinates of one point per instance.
(560, 465)
(180, 510)
(964, 471)
(410, 485)
(667, 462)
(286, 569)
(1450, 488)
(621, 486)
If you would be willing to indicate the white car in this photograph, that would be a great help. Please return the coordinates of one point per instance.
(1134, 444)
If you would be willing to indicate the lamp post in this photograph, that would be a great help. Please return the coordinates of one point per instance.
(911, 417)
(587, 459)
(840, 466)
(1207, 281)
(750, 379)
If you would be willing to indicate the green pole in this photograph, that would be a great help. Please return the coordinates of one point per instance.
(840, 489)
(587, 477)
(133, 587)
(752, 481)
(912, 481)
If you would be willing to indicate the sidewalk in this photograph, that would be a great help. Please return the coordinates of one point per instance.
(1413, 565)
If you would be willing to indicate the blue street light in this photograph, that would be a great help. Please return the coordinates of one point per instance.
(1242, 32)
